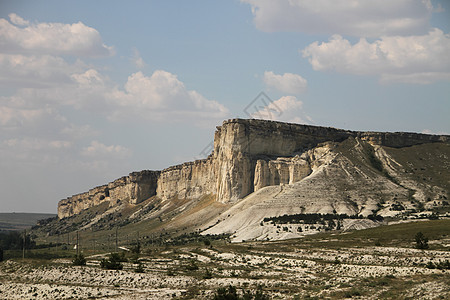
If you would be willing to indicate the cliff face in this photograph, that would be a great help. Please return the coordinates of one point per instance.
(133, 188)
(189, 180)
(248, 155)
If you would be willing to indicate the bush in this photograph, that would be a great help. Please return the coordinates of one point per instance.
(352, 293)
(192, 266)
(230, 293)
(79, 260)
(140, 268)
(208, 274)
(421, 241)
(136, 249)
(113, 262)
(442, 265)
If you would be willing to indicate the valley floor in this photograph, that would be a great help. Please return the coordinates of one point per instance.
(284, 270)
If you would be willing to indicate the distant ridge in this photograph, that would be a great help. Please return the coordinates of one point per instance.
(21, 221)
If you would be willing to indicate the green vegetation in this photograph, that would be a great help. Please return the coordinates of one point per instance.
(308, 218)
(400, 235)
(254, 262)
(114, 262)
(192, 266)
(317, 218)
(139, 268)
(421, 241)
(208, 274)
(13, 240)
(79, 260)
(376, 163)
(230, 293)
(441, 265)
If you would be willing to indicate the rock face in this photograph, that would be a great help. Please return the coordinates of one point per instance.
(281, 170)
(248, 155)
(133, 188)
(187, 181)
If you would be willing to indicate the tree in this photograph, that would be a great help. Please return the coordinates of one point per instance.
(79, 260)
(229, 293)
(113, 262)
(421, 241)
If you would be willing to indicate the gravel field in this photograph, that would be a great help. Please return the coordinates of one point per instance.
(364, 273)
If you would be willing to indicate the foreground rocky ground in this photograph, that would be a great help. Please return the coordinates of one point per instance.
(284, 270)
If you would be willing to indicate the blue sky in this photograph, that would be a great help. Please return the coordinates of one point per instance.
(92, 90)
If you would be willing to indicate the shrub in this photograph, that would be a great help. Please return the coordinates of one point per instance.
(140, 268)
(208, 274)
(352, 293)
(442, 265)
(136, 249)
(230, 293)
(79, 260)
(113, 262)
(192, 266)
(421, 241)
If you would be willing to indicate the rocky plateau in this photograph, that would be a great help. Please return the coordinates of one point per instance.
(262, 169)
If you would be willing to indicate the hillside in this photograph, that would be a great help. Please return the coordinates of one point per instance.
(20, 221)
(269, 180)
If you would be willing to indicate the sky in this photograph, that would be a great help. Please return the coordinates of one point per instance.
(93, 90)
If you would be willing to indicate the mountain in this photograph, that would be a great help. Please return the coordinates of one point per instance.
(273, 180)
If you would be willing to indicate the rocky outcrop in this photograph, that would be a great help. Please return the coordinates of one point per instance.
(279, 171)
(187, 181)
(134, 188)
(247, 156)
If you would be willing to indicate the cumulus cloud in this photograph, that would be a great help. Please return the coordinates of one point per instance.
(162, 96)
(36, 71)
(287, 83)
(97, 149)
(50, 38)
(345, 17)
(413, 59)
(17, 20)
(137, 60)
(287, 109)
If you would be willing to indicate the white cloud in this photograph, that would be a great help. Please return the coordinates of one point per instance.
(137, 60)
(37, 144)
(346, 17)
(287, 109)
(34, 151)
(287, 83)
(51, 38)
(162, 97)
(17, 20)
(413, 59)
(97, 149)
(17, 70)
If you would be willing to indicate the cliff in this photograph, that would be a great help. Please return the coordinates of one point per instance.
(134, 188)
(248, 155)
